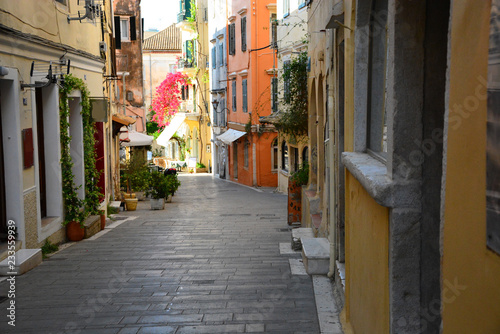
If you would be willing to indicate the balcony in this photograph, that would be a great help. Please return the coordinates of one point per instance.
(185, 12)
(186, 63)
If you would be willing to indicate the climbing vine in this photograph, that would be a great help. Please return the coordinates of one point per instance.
(76, 209)
(293, 120)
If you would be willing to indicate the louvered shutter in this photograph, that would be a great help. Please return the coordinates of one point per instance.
(244, 93)
(232, 47)
(118, 33)
(214, 59)
(243, 33)
(274, 85)
(133, 30)
(233, 89)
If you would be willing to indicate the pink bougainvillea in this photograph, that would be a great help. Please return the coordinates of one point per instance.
(168, 98)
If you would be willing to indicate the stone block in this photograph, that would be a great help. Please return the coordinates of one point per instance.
(25, 260)
(298, 234)
(92, 226)
(316, 255)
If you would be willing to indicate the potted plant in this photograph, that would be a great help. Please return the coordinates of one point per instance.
(298, 179)
(158, 190)
(173, 184)
(136, 178)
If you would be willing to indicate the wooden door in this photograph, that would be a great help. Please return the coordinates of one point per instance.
(41, 152)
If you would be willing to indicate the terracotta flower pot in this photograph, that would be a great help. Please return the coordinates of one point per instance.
(103, 220)
(74, 231)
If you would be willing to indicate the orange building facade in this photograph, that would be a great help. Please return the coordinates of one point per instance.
(251, 63)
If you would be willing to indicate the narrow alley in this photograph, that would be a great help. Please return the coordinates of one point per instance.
(209, 263)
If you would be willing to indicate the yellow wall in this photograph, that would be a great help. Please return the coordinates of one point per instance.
(474, 307)
(367, 261)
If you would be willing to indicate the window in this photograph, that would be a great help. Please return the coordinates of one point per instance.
(233, 91)
(243, 34)
(232, 32)
(302, 4)
(274, 94)
(274, 32)
(214, 59)
(244, 93)
(284, 156)
(493, 132)
(377, 52)
(274, 153)
(124, 29)
(286, 80)
(221, 54)
(286, 8)
(245, 151)
(305, 155)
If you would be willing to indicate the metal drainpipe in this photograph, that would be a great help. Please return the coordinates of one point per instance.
(124, 74)
(331, 162)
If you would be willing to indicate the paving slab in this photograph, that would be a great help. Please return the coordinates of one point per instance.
(209, 263)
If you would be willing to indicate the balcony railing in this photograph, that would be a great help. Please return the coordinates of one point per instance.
(186, 63)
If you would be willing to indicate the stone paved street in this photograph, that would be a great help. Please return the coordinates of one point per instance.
(208, 263)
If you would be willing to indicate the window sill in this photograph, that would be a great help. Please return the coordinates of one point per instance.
(372, 174)
(302, 5)
(286, 15)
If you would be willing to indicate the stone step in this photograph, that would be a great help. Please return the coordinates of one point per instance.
(25, 260)
(316, 255)
(298, 234)
(4, 249)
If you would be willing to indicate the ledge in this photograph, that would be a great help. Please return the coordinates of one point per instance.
(242, 11)
(243, 73)
(372, 174)
(231, 18)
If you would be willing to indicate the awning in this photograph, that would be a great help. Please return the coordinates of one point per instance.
(119, 120)
(136, 139)
(169, 131)
(230, 135)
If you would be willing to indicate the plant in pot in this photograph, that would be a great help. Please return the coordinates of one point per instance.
(136, 178)
(158, 190)
(173, 184)
(298, 179)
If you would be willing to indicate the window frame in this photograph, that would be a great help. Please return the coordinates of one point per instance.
(127, 37)
(246, 149)
(285, 157)
(274, 154)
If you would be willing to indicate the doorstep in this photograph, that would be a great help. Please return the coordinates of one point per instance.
(316, 255)
(25, 260)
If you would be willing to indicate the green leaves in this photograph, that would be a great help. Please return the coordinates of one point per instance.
(293, 120)
(76, 209)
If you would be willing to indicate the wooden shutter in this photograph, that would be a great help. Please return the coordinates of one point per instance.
(118, 33)
(133, 30)
(244, 93)
(214, 54)
(233, 89)
(183, 93)
(221, 54)
(243, 33)
(232, 47)
(274, 84)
